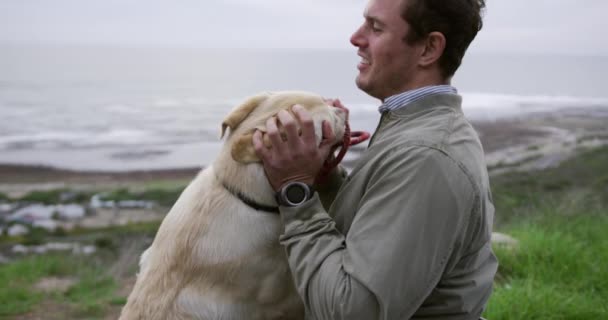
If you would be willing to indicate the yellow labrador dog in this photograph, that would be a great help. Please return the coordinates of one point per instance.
(216, 254)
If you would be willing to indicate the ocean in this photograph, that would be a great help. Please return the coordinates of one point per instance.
(103, 108)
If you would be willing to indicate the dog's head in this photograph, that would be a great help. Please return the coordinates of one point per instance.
(255, 111)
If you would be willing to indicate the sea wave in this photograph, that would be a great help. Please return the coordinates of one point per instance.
(90, 139)
(485, 106)
(197, 119)
(489, 106)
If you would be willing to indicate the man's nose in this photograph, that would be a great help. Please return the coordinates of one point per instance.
(357, 39)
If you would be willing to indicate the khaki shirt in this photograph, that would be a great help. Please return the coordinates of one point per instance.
(408, 233)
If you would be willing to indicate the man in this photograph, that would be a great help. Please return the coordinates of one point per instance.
(411, 226)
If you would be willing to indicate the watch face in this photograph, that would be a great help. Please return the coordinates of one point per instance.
(295, 193)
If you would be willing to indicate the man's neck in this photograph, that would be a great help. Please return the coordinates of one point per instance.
(403, 99)
(420, 83)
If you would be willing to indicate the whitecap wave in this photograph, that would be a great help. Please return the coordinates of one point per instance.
(79, 139)
(485, 106)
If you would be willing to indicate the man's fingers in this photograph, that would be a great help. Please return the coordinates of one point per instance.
(272, 131)
(258, 145)
(289, 124)
(306, 123)
(338, 104)
(329, 101)
(328, 134)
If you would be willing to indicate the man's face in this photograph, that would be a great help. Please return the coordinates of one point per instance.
(388, 64)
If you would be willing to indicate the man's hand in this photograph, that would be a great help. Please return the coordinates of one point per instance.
(298, 158)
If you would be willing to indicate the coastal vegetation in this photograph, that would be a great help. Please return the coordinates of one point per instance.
(88, 291)
(557, 270)
(162, 196)
(559, 217)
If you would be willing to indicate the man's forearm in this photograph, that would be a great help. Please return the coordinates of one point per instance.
(315, 252)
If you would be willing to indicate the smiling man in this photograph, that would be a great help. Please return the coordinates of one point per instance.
(407, 235)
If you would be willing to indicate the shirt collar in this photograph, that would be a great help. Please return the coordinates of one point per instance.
(403, 99)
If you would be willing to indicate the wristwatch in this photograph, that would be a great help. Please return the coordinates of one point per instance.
(294, 194)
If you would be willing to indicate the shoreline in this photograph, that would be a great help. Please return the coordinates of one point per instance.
(18, 173)
(532, 141)
(19, 180)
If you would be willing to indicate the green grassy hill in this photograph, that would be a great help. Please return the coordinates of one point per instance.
(560, 217)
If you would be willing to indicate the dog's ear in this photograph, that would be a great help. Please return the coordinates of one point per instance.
(241, 112)
(242, 149)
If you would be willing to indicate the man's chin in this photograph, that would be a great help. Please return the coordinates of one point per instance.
(364, 85)
(361, 83)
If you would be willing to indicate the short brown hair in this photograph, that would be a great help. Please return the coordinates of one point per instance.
(458, 20)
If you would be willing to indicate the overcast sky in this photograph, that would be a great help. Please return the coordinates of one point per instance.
(574, 27)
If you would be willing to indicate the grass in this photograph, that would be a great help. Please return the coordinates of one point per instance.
(580, 183)
(55, 196)
(171, 184)
(89, 297)
(147, 228)
(598, 136)
(519, 163)
(165, 194)
(533, 148)
(162, 196)
(560, 217)
(92, 294)
(105, 235)
(557, 271)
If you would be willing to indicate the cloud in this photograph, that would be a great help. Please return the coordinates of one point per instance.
(544, 26)
(228, 23)
(523, 26)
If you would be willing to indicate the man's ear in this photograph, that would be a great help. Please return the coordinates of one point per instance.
(242, 148)
(240, 113)
(434, 45)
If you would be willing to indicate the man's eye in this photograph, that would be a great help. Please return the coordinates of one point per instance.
(373, 25)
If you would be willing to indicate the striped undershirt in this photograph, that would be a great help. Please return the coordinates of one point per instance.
(403, 99)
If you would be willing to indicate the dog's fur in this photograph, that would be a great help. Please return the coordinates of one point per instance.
(214, 257)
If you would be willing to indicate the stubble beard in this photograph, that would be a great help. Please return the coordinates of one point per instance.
(365, 86)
